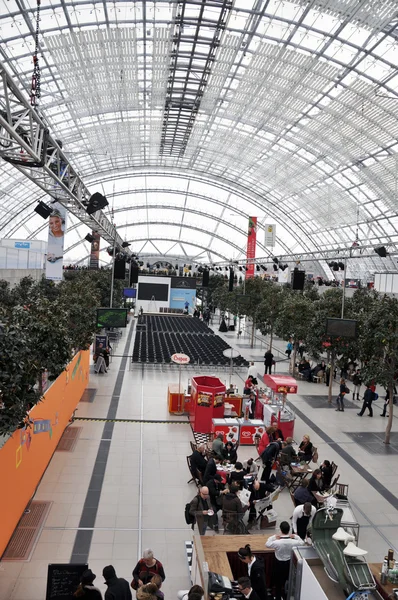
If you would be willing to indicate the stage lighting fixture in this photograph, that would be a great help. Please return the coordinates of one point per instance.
(275, 260)
(125, 244)
(110, 250)
(43, 210)
(240, 268)
(257, 267)
(176, 267)
(340, 266)
(381, 251)
(89, 238)
(96, 202)
(275, 267)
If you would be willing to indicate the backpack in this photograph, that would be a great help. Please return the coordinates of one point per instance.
(189, 519)
(347, 390)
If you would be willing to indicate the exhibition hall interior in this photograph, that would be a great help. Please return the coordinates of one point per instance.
(198, 270)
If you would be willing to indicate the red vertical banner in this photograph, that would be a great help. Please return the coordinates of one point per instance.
(251, 246)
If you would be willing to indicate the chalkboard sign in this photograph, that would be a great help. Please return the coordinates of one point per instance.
(62, 580)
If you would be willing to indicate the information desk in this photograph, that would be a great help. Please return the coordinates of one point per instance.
(219, 554)
(175, 398)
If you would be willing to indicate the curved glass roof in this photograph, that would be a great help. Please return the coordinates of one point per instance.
(191, 116)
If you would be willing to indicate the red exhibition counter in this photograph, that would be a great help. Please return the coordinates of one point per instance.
(275, 412)
(207, 402)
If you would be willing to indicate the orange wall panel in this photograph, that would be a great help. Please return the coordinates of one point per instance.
(25, 456)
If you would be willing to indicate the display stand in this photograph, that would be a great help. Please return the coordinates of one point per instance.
(207, 402)
(275, 411)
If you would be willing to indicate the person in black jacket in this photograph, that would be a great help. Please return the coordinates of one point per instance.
(229, 453)
(315, 482)
(245, 588)
(259, 490)
(118, 588)
(256, 571)
(302, 495)
(357, 381)
(268, 359)
(211, 467)
(368, 398)
(198, 461)
(232, 510)
(327, 472)
(86, 589)
(238, 476)
(216, 492)
(268, 457)
(340, 398)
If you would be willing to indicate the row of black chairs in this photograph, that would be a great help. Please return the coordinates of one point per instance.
(184, 324)
(158, 347)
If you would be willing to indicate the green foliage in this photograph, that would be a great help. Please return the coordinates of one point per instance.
(295, 316)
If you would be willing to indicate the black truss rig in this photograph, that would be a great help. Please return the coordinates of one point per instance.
(192, 56)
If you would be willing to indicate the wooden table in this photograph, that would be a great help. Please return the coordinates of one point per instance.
(298, 474)
(385, 590)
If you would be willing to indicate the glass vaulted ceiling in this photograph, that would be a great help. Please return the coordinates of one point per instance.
(192, 115)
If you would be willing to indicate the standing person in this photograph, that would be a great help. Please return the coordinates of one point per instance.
(301, 349)
(282, 544)
(255, 571)
(357, 381)
(268, 457)
(267, 437)
(268, 360)
(232, 510)
(118, 588)
(289, 348)
(245, 588)
(200, 507)
(387, 401)
(86, 588)
(252, 370)
(302, 519)
(218, 444)
(368, 398)
(247, 388)
(146, 568)
(340, 398)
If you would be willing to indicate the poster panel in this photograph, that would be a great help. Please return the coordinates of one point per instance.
(251, 246)
(95, 248)
(269, 235)
(55, 245)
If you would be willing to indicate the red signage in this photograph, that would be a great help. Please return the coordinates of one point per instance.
(180, 359)
(251, 246)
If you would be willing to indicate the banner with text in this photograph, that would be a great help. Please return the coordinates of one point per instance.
(95, 247)
(269, 235)
(55, 245)
(251, 246)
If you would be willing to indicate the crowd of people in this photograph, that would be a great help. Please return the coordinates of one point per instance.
(148, 576)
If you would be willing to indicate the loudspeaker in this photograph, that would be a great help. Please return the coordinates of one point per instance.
(205, 281)
(134, 271)
(298, 279)
(43, 210)
(90, 238)
(120, 268)
(231, 280)
(381, 251)
(96, 202)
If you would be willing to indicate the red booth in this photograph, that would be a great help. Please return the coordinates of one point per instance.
(207, 402)
(283, 418)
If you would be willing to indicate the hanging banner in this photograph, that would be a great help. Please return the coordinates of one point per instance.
(251, 246)
(55, 245)
(269, 235)
(95, 247)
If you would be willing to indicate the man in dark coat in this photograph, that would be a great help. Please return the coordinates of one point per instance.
(118, 588)
(199, 508)
(268, 456)
(268, 359)
(211, 468)
(245, 587)
(368, 398)
(198, 461)
(232, 509)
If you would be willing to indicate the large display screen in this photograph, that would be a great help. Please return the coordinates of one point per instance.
(341, 328)
(111, 317)
(153, 291)
(129, 292)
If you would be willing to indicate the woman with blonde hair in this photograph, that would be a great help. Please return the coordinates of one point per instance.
(305, 448)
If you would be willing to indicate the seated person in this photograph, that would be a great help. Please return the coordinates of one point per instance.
(259, 490)
(327, 472)
(319, 369)
(229, 453)
(211, 467)
(315, 482)
(198, 460)
(305, 449)
(304, 368)
(238, 476)
(303, 495)
(250, 466)
(288, 453)
(231, 390)
(218, 444)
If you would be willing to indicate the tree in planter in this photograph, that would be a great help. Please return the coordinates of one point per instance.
(19, 375)
(79, 298)
(294, 320)
(379, 349)
(316, 340)
(269, 308)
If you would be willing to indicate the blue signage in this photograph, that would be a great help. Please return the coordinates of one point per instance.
(178, 298)
(25, 245)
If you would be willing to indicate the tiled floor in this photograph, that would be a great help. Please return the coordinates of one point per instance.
(144, 488)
